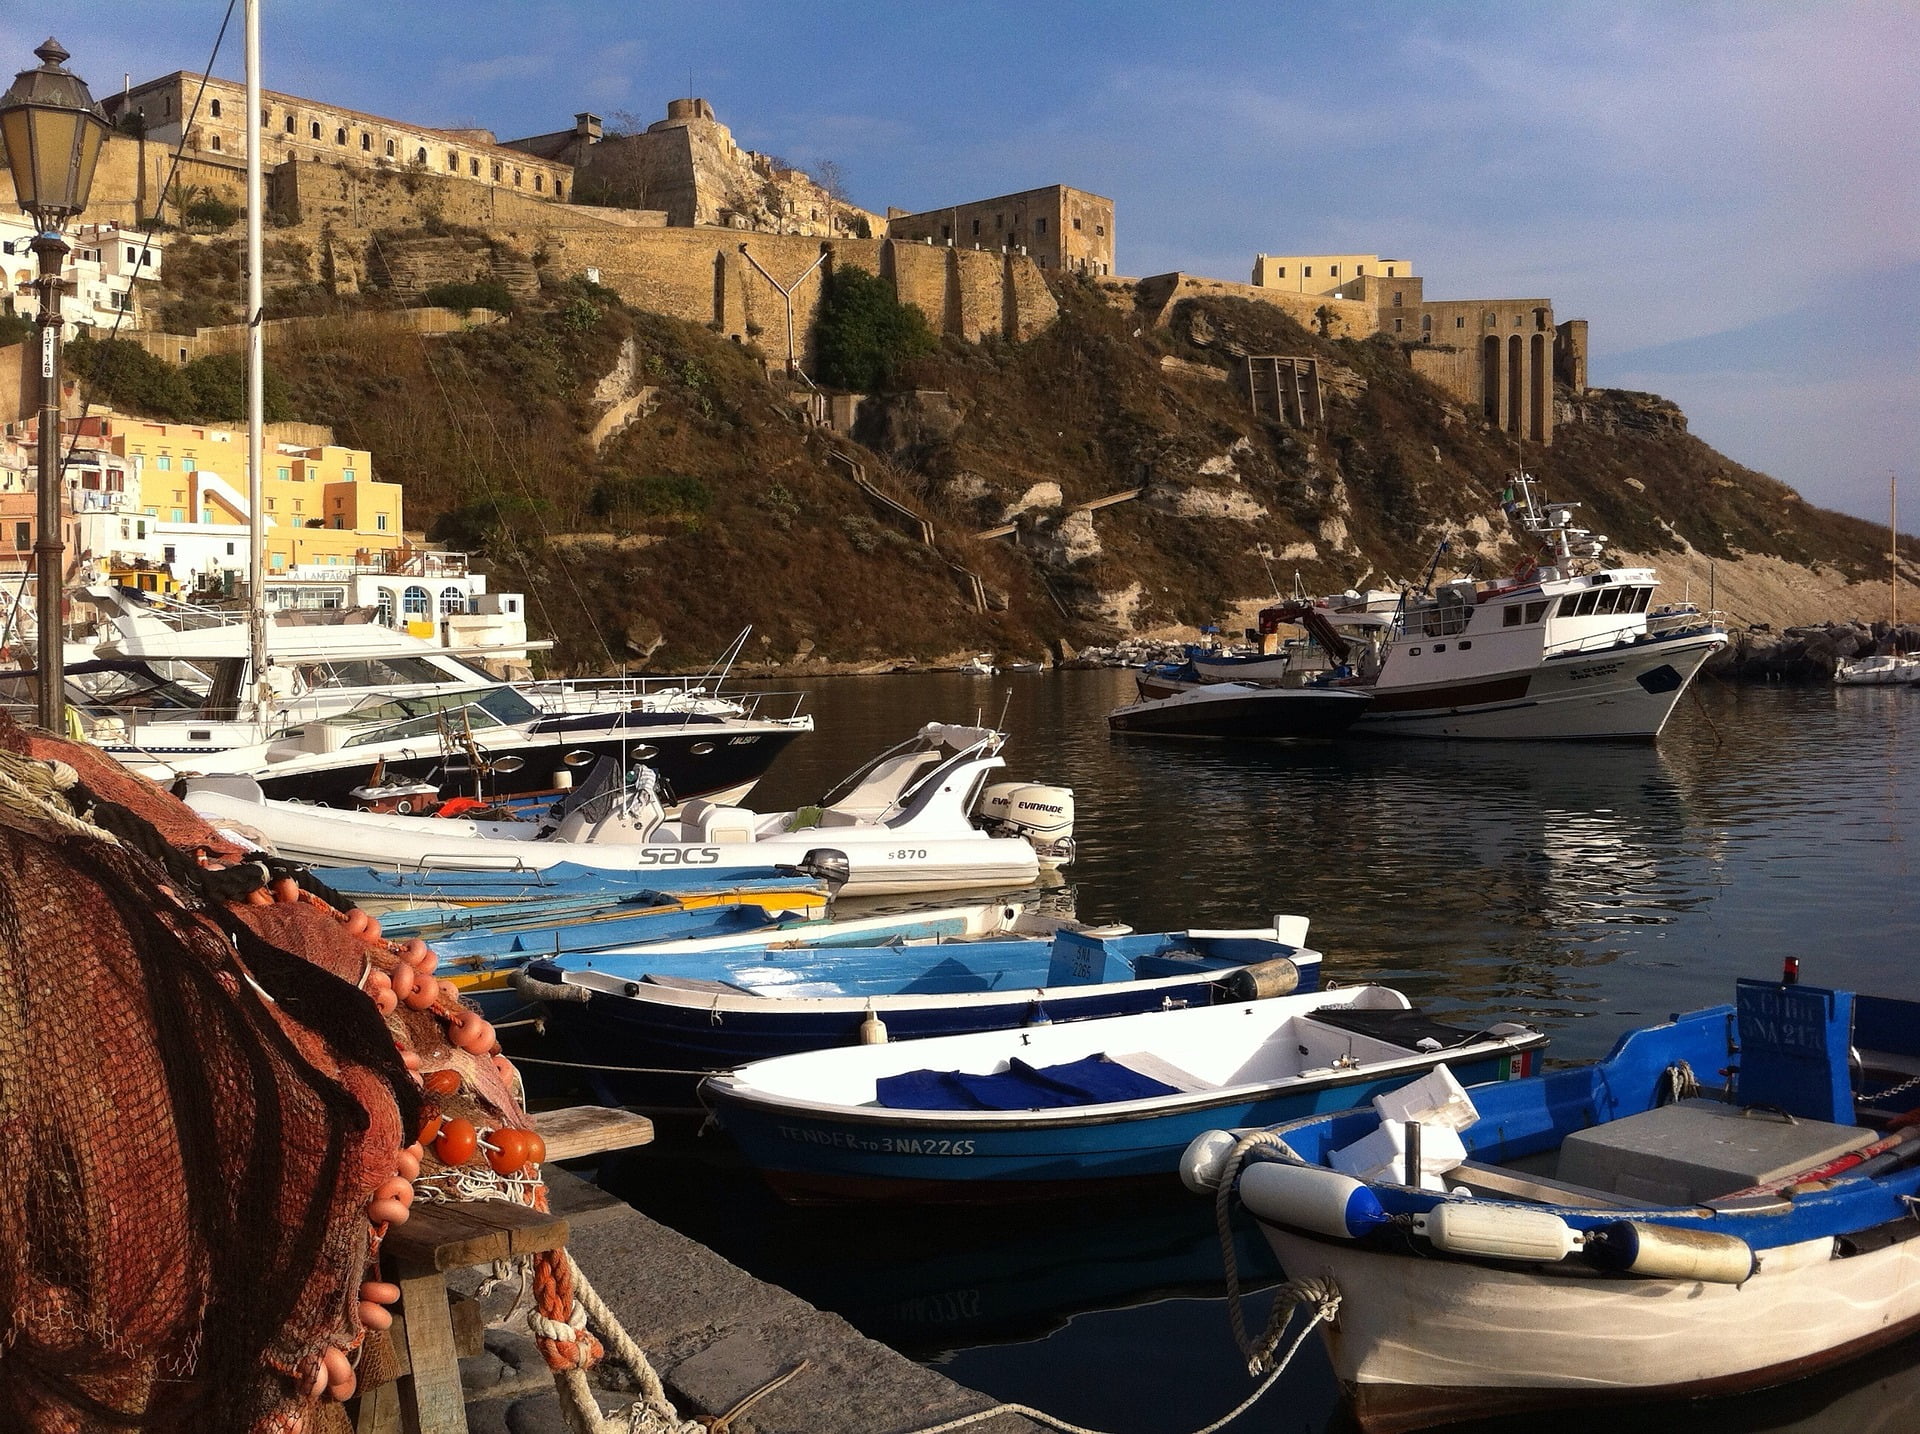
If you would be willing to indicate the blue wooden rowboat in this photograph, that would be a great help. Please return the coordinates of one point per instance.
(481, 961)
(699, 1013)
(1018, 1114)
(1627, 1230)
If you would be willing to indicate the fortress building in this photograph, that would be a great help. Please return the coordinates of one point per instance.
(1061, 228)
(689, 167)
(293, 128)
(1500, 356)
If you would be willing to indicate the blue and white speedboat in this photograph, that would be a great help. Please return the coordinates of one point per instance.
(1020, 1113)
(1627, 1230)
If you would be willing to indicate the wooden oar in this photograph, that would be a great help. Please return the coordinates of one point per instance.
(1839, 1165)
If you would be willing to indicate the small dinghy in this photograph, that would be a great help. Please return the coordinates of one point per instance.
(920, 817)
(1615, 1231)
(1019, 1114)
(1887, 669)
(703, 1015)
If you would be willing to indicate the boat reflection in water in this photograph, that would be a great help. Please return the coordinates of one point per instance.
(929, 1285)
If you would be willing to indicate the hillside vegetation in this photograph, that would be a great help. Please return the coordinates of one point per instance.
(716, 506)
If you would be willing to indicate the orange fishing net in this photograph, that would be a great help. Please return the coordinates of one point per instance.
(208, 1088)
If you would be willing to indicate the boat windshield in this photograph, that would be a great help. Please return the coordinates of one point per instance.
(417, 715)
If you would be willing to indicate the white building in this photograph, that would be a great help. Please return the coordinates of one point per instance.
(104, 274)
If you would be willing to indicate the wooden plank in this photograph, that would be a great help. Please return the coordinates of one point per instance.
(431, 1400)
(578, 1130)
(451, 1236)
(379, 1410)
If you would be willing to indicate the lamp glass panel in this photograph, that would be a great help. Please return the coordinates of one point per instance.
(93, 134)
(15, 130)
(53, 145)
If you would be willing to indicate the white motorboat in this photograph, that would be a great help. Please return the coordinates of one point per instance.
(1887, 669)
(920, 817)
(1562, 649)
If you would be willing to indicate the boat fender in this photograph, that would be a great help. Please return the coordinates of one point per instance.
(1662, 1252)
(1324, 1202)
(1497, 1232)
(1205, 1159)
(873, 1030)
(1278, 977)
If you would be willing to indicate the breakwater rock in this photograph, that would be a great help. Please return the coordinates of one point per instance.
(1806, 654)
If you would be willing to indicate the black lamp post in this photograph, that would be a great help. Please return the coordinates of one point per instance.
(52, 133)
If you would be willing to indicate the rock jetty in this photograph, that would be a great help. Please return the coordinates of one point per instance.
(1807, 654)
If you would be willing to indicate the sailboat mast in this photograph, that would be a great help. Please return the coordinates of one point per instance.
(256, 375)
(1893, 549)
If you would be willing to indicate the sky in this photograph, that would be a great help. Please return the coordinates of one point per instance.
(1729, 193)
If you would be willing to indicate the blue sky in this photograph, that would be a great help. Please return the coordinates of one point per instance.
(1729, 193)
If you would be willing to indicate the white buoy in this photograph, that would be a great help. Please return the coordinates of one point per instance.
(1497, 1232)
(1324, 1202)
(1205, 1159)
(873, 1030)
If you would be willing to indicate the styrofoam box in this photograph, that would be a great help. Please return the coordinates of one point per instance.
(1436, 1099)
(1382, 1155)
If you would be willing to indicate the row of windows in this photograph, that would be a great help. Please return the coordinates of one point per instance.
(1600, 601)
(316, 132)
(1333, 271)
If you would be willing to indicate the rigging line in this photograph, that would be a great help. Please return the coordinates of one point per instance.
(565, 567)
(146, 234)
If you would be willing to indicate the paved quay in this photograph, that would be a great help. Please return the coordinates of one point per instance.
(714, 1335)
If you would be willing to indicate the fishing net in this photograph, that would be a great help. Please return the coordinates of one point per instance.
(197, 1105)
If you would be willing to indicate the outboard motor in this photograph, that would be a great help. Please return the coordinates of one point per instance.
(1041, 814)
(828, 865)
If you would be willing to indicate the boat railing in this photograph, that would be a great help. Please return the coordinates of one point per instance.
(697, 695)
(1678, 620)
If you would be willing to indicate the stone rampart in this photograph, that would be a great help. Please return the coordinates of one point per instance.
(232, 338)
(1346, 318)
(1454, 371)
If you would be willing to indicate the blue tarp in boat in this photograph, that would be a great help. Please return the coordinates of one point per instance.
(1092, 1080)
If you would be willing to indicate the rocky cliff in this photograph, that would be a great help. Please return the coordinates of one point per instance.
(653, 493)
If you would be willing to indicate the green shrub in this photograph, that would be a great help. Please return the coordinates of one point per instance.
(864, 333)
(212, 214)
(655, 496)
(485, 294)
(213, 389)
(218, 384)
(15, 329)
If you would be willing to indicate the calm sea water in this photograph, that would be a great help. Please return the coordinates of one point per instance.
(1586, 889)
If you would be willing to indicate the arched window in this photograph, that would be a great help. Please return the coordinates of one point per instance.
(314, 127)
(214, 108)
(453, 161)
(340, 135)
(420, 155)
(539, 183)
(389, 149)
(415, 602)
(452, 601)
(473, 168)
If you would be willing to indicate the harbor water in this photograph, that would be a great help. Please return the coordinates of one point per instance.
(1586, 889)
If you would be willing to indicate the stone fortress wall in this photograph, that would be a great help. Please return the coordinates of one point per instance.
(693, 205)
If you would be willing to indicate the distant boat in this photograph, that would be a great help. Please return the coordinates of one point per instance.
(979, 665)
(1889, 669)
(1242, 712)
(1036, 1112)
(1612, 1235)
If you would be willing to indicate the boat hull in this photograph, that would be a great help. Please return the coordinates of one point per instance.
(1271, 714)
(684, 1035)
(711, 760)
(1619, 694)
(1436, 1341)
(952, 1158)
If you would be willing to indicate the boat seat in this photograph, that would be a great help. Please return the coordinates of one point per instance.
(696, 983)
(718, 826)
(1498, 1181)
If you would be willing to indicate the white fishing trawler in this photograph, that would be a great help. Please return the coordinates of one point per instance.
(1563, 648)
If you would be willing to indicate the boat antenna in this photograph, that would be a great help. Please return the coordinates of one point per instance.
(1005, 702)
(1266, 552)
(726, 659)
(1426, 583)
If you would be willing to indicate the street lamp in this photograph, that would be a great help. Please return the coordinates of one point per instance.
(52, 132)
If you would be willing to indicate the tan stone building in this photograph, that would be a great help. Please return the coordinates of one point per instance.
(1059, 227)
(293, 128)
(1328, 274)
(689, 167)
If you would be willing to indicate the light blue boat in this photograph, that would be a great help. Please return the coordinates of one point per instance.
(1019, 1114)
(437, 886)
